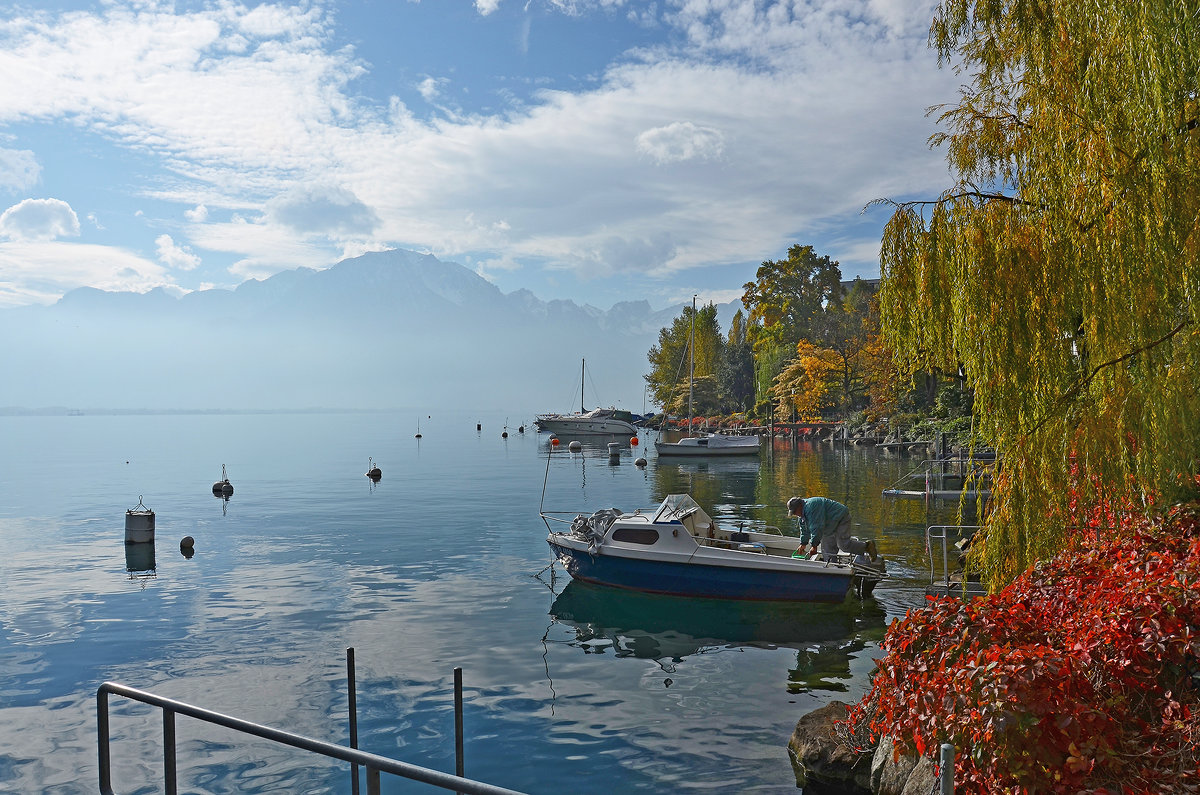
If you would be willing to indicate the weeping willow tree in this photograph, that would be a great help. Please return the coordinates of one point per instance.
(1060, 271)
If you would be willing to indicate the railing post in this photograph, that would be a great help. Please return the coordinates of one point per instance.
(170, 773)
(372, 780)
(351, 689)
(459, 765)
(102, 740)
(946, 769)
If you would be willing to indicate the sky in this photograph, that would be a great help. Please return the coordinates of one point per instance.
(592, 150)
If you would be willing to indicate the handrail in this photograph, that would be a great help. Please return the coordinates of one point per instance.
(944, 537)
(374, 763)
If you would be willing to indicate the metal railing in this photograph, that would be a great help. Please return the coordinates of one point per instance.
(941, 533)
(374, 764)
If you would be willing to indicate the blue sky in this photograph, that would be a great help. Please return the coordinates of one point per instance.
(596, 150)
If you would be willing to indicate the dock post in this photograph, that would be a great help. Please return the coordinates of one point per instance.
(459, 766)
(353, 709)
(946, 770)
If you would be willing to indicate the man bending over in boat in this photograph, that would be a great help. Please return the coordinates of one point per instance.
(827, 523)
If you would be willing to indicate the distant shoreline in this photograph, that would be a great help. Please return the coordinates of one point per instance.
(61, 411)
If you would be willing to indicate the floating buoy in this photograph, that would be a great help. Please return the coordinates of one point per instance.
(634, 441)
(223, 487)
(639, 462)
(520, 429)
(373, 471)
(614, 449)
(187, 541)
(479, 426)
(418, 427)
(139, 524)
(554, 441)
(575, 447)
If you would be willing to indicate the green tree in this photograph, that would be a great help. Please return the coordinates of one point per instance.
(735, 370)
(1061, 269)
(843, 329)
(787, 295)
(670, 362)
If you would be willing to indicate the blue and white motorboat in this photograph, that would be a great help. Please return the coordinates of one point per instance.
(678, 549)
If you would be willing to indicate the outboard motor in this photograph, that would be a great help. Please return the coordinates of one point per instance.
(867, 574)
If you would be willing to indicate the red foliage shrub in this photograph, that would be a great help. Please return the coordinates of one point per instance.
(1081, 676)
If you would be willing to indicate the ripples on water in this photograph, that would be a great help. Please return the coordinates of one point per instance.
(568, 687)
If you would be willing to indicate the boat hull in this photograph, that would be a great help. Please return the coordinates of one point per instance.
(702, 580)
(710, 446)
(581, 427)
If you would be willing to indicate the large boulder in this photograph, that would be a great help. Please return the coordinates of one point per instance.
(823, 758)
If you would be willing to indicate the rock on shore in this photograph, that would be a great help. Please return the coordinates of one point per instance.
(827, 765)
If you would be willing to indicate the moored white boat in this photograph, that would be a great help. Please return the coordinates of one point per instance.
(707, 443)
(597, 422)
(678, 549)
(710, 444)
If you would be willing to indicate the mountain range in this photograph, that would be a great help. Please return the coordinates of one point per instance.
(394, 329)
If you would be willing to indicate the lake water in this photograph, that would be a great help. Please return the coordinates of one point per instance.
(442, 564)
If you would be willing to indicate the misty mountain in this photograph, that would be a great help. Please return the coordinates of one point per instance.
(391, 329)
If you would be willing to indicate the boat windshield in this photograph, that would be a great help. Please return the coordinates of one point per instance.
(675, 507)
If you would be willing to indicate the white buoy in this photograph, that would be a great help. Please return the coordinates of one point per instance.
(575, 446)
(639, 462)
(139, 524)
(223, 488)
(614, 449)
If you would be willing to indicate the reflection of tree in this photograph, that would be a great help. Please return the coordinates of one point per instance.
(825, 667)
(715, 484)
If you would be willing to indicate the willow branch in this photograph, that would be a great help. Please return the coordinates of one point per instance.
(1081, 383)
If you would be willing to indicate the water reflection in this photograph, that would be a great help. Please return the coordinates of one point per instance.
(139, 562)
(666, 628)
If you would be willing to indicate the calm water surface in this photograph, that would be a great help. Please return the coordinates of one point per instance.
(442, 564)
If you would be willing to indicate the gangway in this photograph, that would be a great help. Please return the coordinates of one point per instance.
(946, 479)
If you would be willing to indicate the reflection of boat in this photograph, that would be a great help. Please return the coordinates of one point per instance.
(707, 444)
(597, 422)
(678, 549)
(652, 626)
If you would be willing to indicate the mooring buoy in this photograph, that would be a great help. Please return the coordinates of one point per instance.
(139, 524)
(223, 487)
(373, 471)
(575, 446)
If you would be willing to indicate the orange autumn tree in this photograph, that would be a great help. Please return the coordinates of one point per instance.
(1061, 269)
(809, 383)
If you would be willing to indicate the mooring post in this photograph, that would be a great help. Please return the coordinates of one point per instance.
(353, 709)
(946, 769)
(459, 766)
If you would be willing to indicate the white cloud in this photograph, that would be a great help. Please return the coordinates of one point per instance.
(681, 141)
(39, 219)
(771, 121)
(41, 271)
(323, 209)
(175, 256)
(431, 87)
(19, 169)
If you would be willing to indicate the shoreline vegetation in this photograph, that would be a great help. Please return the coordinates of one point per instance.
(1043, 306)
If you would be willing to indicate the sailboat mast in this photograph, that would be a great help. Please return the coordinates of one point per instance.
(582, 370)
(692, 365)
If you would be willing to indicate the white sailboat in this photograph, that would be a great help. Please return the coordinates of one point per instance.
(708, 444)
(597, 422)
